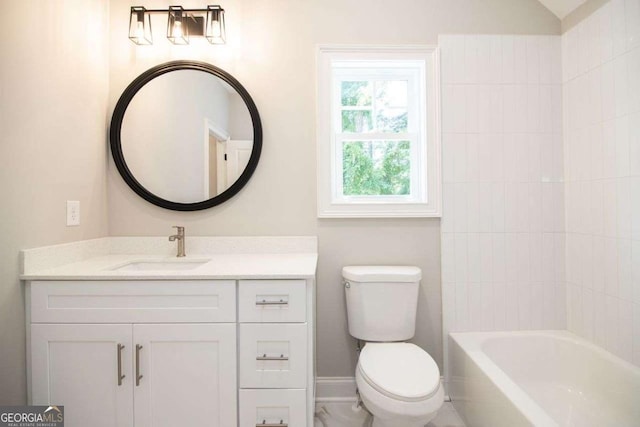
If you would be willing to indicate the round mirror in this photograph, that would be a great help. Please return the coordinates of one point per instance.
(186, 135)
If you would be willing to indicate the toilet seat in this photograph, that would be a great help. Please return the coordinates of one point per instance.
(400, 371)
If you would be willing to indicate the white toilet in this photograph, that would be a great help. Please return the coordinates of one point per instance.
(398, 382)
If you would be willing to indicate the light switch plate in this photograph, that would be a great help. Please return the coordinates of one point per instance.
(73, 212)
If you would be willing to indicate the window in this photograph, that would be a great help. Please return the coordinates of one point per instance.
(378, 140)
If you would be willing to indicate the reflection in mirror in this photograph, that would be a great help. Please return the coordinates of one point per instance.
(187, 136)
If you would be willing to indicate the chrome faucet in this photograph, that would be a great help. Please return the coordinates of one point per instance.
(180, 238)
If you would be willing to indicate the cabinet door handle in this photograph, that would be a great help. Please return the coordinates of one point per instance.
(138, 376)
(265, 302)
(265, 357)
(264, 424)
(120, 375)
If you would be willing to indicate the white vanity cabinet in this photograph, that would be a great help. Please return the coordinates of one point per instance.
(142, 353)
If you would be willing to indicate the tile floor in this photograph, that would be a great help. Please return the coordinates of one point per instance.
(340, 414)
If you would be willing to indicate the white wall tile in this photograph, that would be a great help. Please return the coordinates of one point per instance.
(600, 331)
(634, 190)
(473, 206)
(609, 159)
(471, 172)
(608, 91)
(597, 151)
(461, 261)
(623, 208)
(524, 307)
(489, 59)
(605, 13)
(462, 307)
(471, 59)
(587, 313)
(599, 260)
(618, 25)
(473, 254)
(515, 108)
(634, 144)
(633, 74)
(454, 108)
(632, 14)
(448, 204)
(498, 207)
(636, 334)
(625, 270)
(583, 47)
(621, 85)
(546, 108)
(508, 59)
(611, 266)
(460, 211)
(595, 95)
(612, 321)
(485, 207)
(452, 55)
(499, 250)
(570, 54)
(472, 121)
(625, 328)
(520, 59)
(448, 258)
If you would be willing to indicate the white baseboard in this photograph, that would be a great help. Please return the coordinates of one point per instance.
(335, 389)
(338, 389)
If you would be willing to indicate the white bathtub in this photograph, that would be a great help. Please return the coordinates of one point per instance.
(540, 378)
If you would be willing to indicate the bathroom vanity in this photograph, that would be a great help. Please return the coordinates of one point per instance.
(123, 334)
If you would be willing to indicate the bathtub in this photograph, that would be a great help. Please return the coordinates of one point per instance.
(540, 378)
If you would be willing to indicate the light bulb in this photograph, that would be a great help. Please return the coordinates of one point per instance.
(140, 30)
(177, 29)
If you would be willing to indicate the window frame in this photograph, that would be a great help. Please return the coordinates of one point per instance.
(425, 197)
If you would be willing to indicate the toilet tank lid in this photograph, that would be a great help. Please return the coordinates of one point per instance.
(382, 273)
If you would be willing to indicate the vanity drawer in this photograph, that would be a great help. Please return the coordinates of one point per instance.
(272, 301)
(273, 408)
(133, 301)
(273, 356)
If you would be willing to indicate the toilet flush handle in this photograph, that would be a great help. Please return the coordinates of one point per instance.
(347, 285)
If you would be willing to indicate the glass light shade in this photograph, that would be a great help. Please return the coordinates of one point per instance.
(177, 28)
(215, 31)
(140, 26)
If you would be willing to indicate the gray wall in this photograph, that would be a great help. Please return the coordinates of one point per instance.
(271, 50)
(53, 110)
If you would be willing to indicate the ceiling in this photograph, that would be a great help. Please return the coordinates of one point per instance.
(562, 8)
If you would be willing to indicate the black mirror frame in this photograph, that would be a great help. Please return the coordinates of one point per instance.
(116, 125)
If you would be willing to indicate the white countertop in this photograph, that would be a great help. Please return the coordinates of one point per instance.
(82, 261)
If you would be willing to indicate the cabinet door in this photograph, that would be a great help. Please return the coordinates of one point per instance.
(77, 366)
(187, 375)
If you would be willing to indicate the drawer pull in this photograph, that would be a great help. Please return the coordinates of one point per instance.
(264, 424)
(138, 376)
(120, 374)
(265, 357)
(265, 302)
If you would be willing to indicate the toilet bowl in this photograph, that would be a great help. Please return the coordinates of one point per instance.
(399, 383)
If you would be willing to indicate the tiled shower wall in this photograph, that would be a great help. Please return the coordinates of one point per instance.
(503, 240)
(601, 74)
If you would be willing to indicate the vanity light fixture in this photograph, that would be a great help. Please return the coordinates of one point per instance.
(181, 24)
(140, 26)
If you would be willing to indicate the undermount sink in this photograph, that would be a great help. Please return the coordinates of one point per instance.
(164, 265)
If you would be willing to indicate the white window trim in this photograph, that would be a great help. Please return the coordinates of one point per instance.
(329, 205)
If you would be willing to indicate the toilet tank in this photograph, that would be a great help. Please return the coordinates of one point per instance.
(381, 301)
